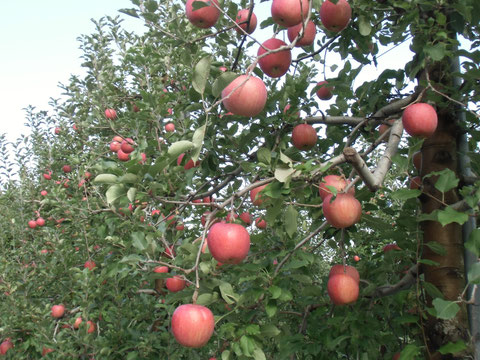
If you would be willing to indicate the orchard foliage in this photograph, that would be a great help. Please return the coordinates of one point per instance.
(110, 222)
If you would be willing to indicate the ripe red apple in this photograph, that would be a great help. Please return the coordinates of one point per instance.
(260, 223)
(122, 156)
(390, 247)
(192, 325)
(275, 64)
(143, 158)
(170, 127)
(110, 114)
(189, 164)
(325, 91)
(91, 327)
(396, 356)
(342, 212)
(115, 146)
(349, 270)
(304, 136)
(228, 243)
(118, 139)
(48, 175)
(67, 168)
(257, 199)
(126, 146)
(169, 252)
(204, 17)
(245, 97)
(289, 12)
(242, 16)
(335, 17)
(77, 322)
(287, 107)
(246, 218)
(32, 224)
(160, 269)
(58, 311)
(415, 183)
(420, 120)
(57, 130)
(384, 127)
(46, 351)
(90, 265)
(231, 217)
(176, 283)
(308, 36)
(342, 289)
(338, 182)
(40, 221)
(5, 346)
(356, 258)
(417, 160)
(44, 193)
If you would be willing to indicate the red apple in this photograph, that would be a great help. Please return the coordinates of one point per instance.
(115, 146)
(44, 193)
(90, 264)
(415, 183)
(32, 224)
(192, 325)
(58, 311)
(77, 322)
(126, 146)
(46, 351)
(342, 212)
(304, 136)
(175, 283)
(57, 130)
(349, 270)
(245, 97)
(118, 139)
(287, 107)
(396, 356)
(289, 12)
(169, 252)
(338, 182)
(189, 164)
(356, 258)
(67, 168)
(417, 160)
(342, 289)
(160, 269)
(204, 17)
(110, 114)
(257, 199)
(231, 217)
(228, 243)
(260, 223)
(48, 175)
(242, 16)
(91, 327)
(420, 120)
(308, 36)
(246, 218)
(122, 156)
(40, 221)
(5, 346)
(325, 91)
(275, 64)
(335, 17)
(170, 127)
(143, 158)
(390, 247)
(385, 127)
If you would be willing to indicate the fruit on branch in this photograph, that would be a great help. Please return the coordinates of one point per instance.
(90, 265)
(160, 269)
(304, 136)
(77, 322)
(417, 160)
(58, 311)
(192, 325)
(228, 243)
(420, 120)
(170, 127)
(342, 212)
(91, 326)
(356, 258)
(57, 130)
(46, 351)
(110, 114)
(335, 17)
(40, 221)
(127, 146)
(390, 247)
(242, 16)
(338, 182)
(115, 146)
(175, 283)
(260, 223)
(189, 164)
(384, 127)
(325, 91)
(159, 283)
(415, 183)
(32, 224)
(67, 168)
(122, 156)
(275, 64)
(204, 17)
(287, 107)
(246, 96)
(257, 199)
(5, 346)
(44, 193)
(349, 270)
(48, 175)
(231, 217)
(169, 252)
(342, 289)
(246, 218)
(289, 12)
(308, 36)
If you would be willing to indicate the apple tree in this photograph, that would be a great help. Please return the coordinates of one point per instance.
(232, 183)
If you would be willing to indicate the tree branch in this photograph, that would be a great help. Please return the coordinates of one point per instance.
(406, 282)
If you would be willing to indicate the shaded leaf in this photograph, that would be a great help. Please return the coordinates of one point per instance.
(201, 73)
(445, 309)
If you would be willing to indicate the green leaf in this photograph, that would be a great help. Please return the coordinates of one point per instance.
(227, 293)
(197, 141)
(131, 193)
(432, 290)
(222, 82)
(247, 345)
(473, 243)
(270, 330)
(436, 247)
(252, 329)
(264, 155)
(180, 147)
(436, 52)
(428, 262)
(446, 181)
(333, 344)
(409, 352)
(128, 178)
(226, 355)
(450, 215)
(364, 26)
(283, 174)
(131, 259)
(130, 12)
(291, 220)
(405, 194)
(452, 348)
(114, 192)
(258, 354)
(139, 241)
(445, 309)
(275, 291)
(271, 309)
(474, 274)
(105, 179)
(205, 299)
(201, 73)
(199, 4)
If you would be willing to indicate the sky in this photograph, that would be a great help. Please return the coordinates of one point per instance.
(39, 49)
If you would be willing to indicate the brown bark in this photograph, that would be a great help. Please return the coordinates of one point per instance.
(440, 152)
